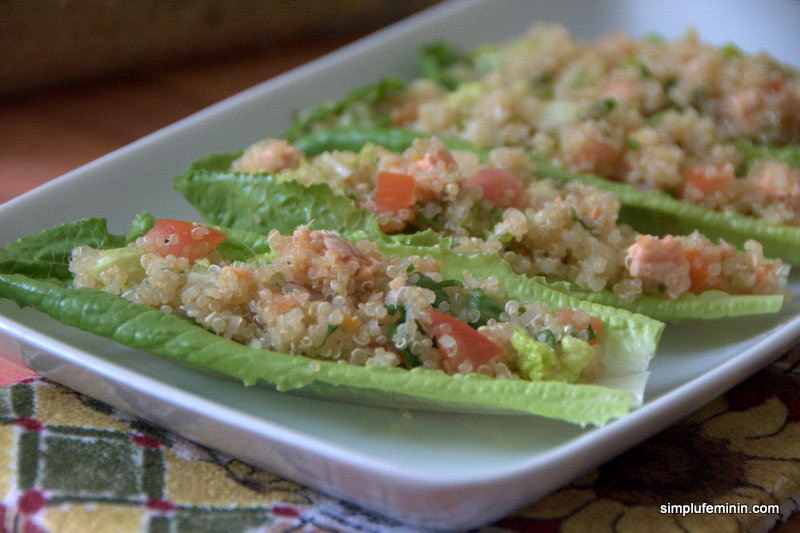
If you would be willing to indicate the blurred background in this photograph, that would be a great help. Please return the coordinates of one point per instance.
(80, 78)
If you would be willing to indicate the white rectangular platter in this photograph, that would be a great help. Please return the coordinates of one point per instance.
(444, 470)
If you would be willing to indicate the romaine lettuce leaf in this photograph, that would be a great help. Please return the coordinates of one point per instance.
(439, 61)
(260, 202)
(652, 212)
(658, 213)
(628, 344)
(46, 254)
(358, 105)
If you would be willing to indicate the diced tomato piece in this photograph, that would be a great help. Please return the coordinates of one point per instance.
(184, 239)
(467, 344)
(582, 321)
(499, 186)
(657, 260)
(431, 159)
(763, 271)
(394, 191)
(778, 181)
(283, 303)
(405, 115)
(775, 85)
(710, 178)
(238, 271)
(698, 268)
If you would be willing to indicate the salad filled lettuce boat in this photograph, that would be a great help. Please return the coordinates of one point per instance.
(376, 322)
(687, 135)
(565, 235)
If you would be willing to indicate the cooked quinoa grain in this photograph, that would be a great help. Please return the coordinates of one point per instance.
(328, 298)
(568, 231)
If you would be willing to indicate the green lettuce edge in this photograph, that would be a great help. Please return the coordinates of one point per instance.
(707, 305)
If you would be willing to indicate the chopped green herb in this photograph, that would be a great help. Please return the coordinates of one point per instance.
(656, 118)
(632, 143)
(411, 359)
(488, 308)
(483, 216)
(545, 92)
(592, 334)
(328, 334)
(576, 218)
(476, 299)
(601, 108)
(544, 85)
(668, 84)
(697, 97)
(425, 222)
(633, 62)
(436, 286)
(731, 51)
(394, 310)
(580, 78)
(436, 60)
(546, 336)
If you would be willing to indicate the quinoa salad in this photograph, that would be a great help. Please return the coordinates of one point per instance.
(356, 320)
(324, 297)
(680, 116)
(565, 231)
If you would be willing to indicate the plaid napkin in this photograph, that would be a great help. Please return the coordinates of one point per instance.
(69, 463)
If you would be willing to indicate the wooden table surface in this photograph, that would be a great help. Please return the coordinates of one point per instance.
(50, 132)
